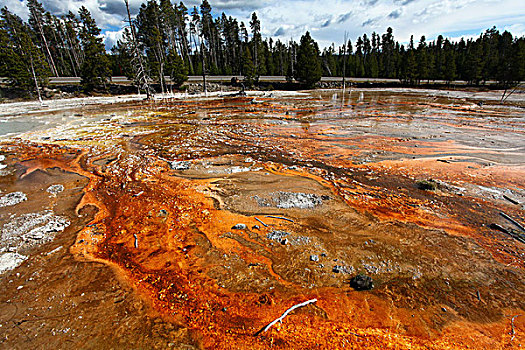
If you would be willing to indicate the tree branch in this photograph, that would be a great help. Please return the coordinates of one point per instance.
(280, 319)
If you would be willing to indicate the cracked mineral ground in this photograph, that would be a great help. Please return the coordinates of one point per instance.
(194, 223)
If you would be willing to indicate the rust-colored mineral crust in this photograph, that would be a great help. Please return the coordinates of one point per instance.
(221, 214)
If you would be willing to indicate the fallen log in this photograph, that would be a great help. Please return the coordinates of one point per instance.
(499, 228)
(513, 221)
(511, 200)
(256, 218)
(279, 217)
(513, 331)
(280, 319)
(513, 233)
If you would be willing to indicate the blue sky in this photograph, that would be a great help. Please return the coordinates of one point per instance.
(328, 20)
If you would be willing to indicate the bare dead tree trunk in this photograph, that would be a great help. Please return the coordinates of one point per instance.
(67, 47)
(344, 61)
(50, 57)
(141, 76)
(74, 52)
(203, 70)
(186, 50)
(34, 78)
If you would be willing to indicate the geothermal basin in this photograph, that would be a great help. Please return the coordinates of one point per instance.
(193, 223)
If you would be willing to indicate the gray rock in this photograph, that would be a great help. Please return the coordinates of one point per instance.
(46, 232)
(12, 199)
(428, 185)
(239, 227)
(9, 261)
(343, 269)
(314, 258)
(277, 235)
(287, 200)
(180, 164)
(55, 189)
(31, 229)
(299, 200)
(362, 282)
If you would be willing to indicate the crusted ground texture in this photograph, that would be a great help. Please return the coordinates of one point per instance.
(195, 223)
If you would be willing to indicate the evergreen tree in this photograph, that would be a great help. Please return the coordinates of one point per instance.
(176, 69)
(255, 26)
(153, 40)
(449, 72)
(409, 66)
(6, 52)
(423, 68)
(95, 68)
(37, 22)
(248, 69)
(519, 59)
(388, 47)
(166, 34)
(473, 67)
(505, 72)
(25, 64)
(308, 62)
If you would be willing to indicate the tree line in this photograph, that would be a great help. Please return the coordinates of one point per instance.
(492, 56)
(168, 39)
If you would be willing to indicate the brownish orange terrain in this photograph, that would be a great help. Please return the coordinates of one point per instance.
(195, 223)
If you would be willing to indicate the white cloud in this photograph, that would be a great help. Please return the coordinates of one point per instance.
(111, 38)
(327, 20)
(18, 7)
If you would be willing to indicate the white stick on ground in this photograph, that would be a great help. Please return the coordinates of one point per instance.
(513, 332)
(280, 319)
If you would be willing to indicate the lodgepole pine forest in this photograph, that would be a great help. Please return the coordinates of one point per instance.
(168, 39)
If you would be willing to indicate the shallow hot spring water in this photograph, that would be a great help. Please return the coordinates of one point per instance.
(194, 223)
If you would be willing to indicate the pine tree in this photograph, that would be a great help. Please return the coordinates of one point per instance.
(255, 26)
(248, 69)
(388, 48)
(519, 59)
(6, 52)
(25, 65)
(422, 60)
(95, 70)
(176, 69)
(153, 39)
(473, 66)
(449, 73)
(505, 72)
(37, 22)
(308, 69)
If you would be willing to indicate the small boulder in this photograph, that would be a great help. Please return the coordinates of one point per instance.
(239, 227)
(180, 165)
(427, 185)
(314, 258)
(362, 282)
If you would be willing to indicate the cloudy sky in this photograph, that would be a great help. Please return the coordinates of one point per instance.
(327, 20)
